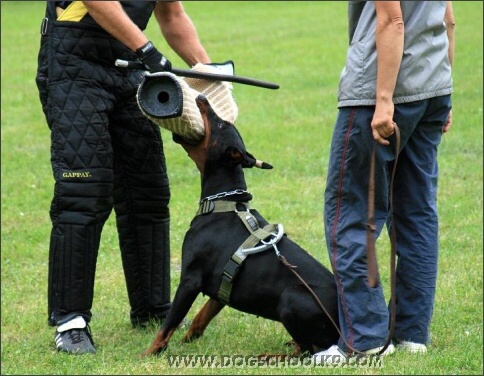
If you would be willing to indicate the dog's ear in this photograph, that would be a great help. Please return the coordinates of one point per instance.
(236, 156)
(244, 158)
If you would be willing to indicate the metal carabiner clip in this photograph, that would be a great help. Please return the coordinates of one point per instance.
(44, 26)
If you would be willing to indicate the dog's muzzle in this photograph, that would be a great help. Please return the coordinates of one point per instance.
(169, 101)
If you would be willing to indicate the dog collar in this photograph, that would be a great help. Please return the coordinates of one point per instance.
(221, 206)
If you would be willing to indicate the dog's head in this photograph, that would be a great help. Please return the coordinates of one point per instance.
(221, 144)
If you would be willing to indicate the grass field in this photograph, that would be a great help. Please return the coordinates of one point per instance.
(301, 46)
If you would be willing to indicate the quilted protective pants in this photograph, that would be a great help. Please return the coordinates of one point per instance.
(104, 154)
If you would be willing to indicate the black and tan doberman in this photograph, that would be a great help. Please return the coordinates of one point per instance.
(230, 253)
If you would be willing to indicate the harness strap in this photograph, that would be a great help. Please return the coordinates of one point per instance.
(220, 206)
(232, 266)
(252, 225)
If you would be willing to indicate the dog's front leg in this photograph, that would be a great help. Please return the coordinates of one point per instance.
(160, 343)
(182, 302)
(202, 319)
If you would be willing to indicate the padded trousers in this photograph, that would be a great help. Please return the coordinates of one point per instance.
(105, 154)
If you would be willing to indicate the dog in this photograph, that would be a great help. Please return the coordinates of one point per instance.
(261, 285)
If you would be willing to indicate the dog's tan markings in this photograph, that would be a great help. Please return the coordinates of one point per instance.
(235, 154)
(202, 319)
(160, 343)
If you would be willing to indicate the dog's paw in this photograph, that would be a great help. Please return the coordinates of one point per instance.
(153, 350)
(191, 336)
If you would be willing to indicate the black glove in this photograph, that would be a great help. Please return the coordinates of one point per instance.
(153, 59)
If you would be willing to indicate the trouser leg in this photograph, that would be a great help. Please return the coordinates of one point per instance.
(416, 221)
(363, 322)
(363, 314)
(82, 167)
(142, 196)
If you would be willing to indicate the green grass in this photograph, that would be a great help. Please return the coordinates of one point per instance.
(301, 46)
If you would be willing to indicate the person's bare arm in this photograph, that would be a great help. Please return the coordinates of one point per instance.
(450, 23)
(180, 33)
(111, 16)
(389, 45)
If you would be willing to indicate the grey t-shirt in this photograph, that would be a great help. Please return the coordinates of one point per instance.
(425, 71)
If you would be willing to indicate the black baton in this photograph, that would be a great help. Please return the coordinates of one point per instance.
(203, 75)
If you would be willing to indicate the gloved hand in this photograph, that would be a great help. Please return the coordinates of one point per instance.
(153, 59)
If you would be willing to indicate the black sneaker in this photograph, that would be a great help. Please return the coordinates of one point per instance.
(75, 341)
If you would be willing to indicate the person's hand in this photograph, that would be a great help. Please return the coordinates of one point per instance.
(448, 123)
(382, 124)
(153, 59)
(383, 130)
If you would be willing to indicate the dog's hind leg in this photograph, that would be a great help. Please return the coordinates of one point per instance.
(202, 319)
(304, 320)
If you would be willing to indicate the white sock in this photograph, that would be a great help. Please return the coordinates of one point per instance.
(76, 323)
